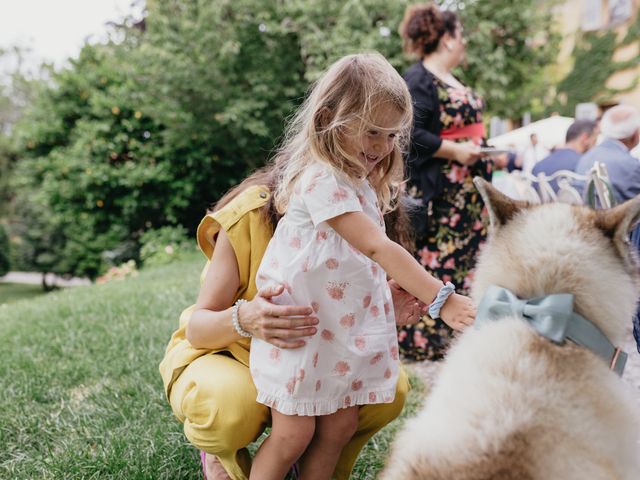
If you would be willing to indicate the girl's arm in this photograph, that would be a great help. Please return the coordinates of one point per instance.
(361, 232)
(210, 325)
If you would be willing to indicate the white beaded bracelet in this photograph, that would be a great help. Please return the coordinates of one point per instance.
(235, 320)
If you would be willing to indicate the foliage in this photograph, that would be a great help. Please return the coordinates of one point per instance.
(17, 90)
(18, 87)
(147, 132)
(88, 155)
(7, 160)
(4, 251)
(164, 245)
(593, 65)
(508, 45)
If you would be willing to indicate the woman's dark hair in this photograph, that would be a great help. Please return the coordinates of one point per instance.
(579, 127)
(423, 26)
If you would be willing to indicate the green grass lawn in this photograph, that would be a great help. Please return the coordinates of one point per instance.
(80, 392)
(11, 292)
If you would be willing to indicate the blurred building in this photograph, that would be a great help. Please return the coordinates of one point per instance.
(577, 17)
(598, 66)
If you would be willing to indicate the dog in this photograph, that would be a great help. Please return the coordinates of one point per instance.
(511, 404)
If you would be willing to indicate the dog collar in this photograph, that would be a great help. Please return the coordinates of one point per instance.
(552, 316)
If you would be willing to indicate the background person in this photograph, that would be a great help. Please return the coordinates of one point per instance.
(444, 157)
(532, 154)
(581, 136)
(620, 126)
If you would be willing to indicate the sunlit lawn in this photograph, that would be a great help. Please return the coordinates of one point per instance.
(80, 393)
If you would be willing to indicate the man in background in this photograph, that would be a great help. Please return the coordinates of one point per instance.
(581, 136)
(532, 154)
(620, 126)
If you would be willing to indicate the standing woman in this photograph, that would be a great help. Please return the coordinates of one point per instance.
(443, 159)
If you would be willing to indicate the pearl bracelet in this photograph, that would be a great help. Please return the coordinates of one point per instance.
(443, 294)
(235, 321)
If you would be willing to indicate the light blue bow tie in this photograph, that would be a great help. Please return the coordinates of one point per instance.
(552, 316)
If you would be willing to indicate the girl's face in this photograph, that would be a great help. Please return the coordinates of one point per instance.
(370, 143)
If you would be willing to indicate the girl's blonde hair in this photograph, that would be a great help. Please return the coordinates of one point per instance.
(347, 94)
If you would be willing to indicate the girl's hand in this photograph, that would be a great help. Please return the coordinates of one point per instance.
(467, 153)
(283, 326)
(458, 312)
(405, 306)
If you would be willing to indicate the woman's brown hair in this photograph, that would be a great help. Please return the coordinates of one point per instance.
(423, 26)
(264, 177)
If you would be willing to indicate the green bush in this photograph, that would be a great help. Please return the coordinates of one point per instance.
(147, 132)
(164, 245)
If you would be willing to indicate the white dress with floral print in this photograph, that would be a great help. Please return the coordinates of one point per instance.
(353, 359)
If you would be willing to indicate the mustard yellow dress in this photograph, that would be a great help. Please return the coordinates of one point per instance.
(211, 391)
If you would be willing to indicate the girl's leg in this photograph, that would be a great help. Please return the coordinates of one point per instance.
(290, 435)
(371, 418)
(332, 433)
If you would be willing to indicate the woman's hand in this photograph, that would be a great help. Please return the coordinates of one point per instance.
(467, 153)
(405, 306)
(458, 312)
(283, 326)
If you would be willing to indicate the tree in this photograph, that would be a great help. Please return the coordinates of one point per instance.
(594, 62)
(89, 179)
(4, 251)
(146, 132)
(17, 90)
(509, 45)
(7, 159)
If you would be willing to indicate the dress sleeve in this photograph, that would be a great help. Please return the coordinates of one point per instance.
(326, 195)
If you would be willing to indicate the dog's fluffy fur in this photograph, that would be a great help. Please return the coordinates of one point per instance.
(509, 404)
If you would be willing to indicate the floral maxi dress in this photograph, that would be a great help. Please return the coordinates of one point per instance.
(457, 226)
(353, 359)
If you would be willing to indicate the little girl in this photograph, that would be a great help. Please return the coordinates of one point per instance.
(340, 167)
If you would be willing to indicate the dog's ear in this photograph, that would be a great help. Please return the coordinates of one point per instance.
(501, 208)
(616, 223)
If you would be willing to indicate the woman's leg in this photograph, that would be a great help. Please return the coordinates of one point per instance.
(371, 418)
(216, 400)
(332, 433)
(289, 438)
(213, 469)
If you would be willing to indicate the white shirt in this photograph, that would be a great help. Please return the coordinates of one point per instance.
(532, 155)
